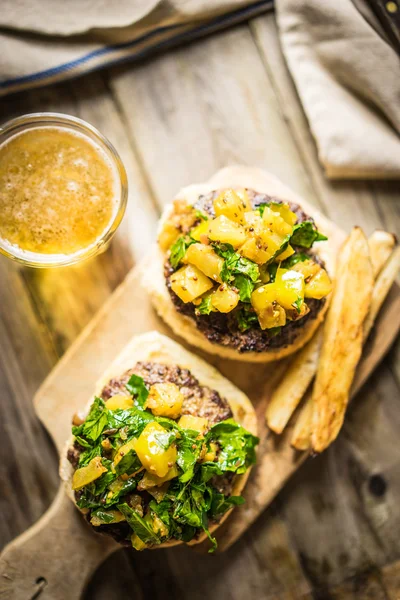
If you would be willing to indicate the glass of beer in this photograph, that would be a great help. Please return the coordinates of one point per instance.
(63, 190)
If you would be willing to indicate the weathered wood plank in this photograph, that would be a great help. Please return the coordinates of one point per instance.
(198, 109)
(28, 475)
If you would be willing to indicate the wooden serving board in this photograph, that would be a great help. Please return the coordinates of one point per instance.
(61, 548)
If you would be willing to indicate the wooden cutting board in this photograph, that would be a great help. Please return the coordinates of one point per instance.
(60, 552)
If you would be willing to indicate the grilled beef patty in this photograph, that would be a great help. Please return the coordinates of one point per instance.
(199, 401)
(222, 328)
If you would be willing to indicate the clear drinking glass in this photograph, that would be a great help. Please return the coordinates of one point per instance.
(73, 124)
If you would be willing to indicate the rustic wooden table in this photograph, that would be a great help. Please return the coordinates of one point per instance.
(175, 120)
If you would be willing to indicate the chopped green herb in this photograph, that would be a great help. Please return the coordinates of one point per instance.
(305, 234)
(246, 318)
(178, 250)
(205, 306)
(138, 389)
(200, 215)
(245, 287)
(190, 500)
(298, 304)
(294, 259)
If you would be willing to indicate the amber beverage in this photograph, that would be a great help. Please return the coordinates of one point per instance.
(63, 190)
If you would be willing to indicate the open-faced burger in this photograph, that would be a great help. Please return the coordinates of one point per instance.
(238, 273)
(163, 452)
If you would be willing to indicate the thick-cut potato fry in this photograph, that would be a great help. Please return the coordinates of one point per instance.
(342, 340)
(301, 437)
(381, 288)
(381, 244)
(293, 386)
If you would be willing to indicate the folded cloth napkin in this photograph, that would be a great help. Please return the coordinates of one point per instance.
(44, 41)
(348, 80)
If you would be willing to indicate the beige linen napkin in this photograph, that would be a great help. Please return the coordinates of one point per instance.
(44, 41)
(348, 79)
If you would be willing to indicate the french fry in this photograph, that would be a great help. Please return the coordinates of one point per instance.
(293, 386)
(301, 437)
(381, 244)
(381, 288)
(343, 337)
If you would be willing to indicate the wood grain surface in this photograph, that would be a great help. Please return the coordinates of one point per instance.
(174, 120)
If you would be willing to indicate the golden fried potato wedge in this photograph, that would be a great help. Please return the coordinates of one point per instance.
(381, 289)
(301, 436)
(342, 341)
(293, 386)
(381, 244)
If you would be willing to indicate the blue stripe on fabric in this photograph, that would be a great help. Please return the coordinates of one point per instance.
(193, 33)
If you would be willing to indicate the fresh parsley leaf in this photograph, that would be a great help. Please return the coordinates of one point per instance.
(142, 528)
(246, 318)
(95, 422)
(237, 446)
(245, 287)
(220, 504)
(297, 304)
(235, 264)
(104, 516)
(205, 306)
(294, 259)
(305, 234)
(272, 269)
(137, 387)
(189, 449)
(274, 331)
(178, 250)
(200, 215)
(128, 464)
(261, 207)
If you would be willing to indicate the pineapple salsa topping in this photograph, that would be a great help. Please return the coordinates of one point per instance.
(250, 261)
(150, 469)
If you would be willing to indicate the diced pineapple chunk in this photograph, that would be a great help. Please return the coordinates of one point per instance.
(199, 231)
(168, 235)
(224, 298)
(262, 242)
(199, 424)
(308, 268)
(285, 254)
(275, 222)
(159, 492)
(285, 212)
(273, 315)
(289, 288)
(243, 195)
(221, 229)
(149, 480)
(86, 475)
(204, 258)
(119, 401)
(137, 542)
(189, 283)
(165, 400)
(319, 285)
(149, 448)
(229, 204)
(269, 312)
